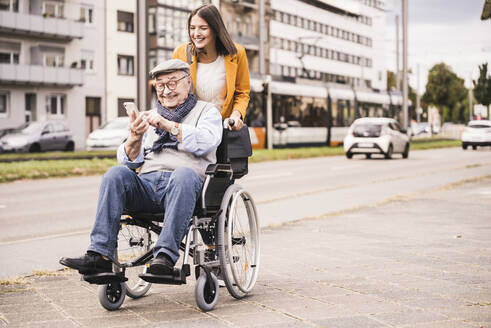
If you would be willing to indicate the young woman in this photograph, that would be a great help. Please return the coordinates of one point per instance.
(219, 67)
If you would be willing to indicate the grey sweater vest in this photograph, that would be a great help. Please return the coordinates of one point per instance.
(170, 159)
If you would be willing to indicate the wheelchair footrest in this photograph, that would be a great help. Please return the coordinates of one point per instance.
(178, 278)
(104, 278)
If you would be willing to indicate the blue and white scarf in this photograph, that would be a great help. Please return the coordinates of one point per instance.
(166, 140)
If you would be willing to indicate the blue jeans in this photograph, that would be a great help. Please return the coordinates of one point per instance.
(121, 188)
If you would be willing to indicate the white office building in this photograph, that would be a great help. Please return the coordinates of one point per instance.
(328, 65)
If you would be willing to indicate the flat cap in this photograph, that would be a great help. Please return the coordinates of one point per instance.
(169, 66)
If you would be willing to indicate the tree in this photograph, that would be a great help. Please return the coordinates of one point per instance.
(446, 91)
(411, 93)
(482, 87)
(391, 80)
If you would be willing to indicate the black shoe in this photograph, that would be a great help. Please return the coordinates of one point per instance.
(90, 263)
(162, 265)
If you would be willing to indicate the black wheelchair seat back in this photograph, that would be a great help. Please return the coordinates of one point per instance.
(235, 149)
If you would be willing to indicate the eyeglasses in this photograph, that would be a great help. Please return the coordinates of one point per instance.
(171, 84)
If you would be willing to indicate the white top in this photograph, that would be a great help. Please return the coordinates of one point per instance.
(211, 85)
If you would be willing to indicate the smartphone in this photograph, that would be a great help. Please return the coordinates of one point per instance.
(130, 107)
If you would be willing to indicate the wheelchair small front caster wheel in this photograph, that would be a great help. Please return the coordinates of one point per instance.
(111, 296)
(206, 297)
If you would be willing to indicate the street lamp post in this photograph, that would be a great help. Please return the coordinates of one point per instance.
(404, 64)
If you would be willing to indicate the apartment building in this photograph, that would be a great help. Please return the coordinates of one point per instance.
(68, 60)
(121, 56)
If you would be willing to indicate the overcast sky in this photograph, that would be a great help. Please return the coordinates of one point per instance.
(448, 31)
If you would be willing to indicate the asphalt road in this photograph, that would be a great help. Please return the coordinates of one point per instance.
(46, 219)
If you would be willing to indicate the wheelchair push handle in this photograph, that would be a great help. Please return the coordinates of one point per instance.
(228, 122)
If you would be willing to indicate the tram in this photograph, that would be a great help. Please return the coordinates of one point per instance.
(310, 115)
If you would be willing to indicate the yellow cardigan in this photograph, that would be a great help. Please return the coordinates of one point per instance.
(237, 78)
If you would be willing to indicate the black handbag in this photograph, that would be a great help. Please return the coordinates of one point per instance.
(235, 149)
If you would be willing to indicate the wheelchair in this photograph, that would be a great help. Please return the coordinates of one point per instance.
(225, 212)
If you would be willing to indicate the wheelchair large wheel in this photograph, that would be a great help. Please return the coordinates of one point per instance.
(133, 242)
(111, 296)
(238, 241)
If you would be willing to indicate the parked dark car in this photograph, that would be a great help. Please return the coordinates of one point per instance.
(39, 136)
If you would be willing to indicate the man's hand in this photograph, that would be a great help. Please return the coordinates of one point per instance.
(156, 120)
(238, 123)
(138, 124)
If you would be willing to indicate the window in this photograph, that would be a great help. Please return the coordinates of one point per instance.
(288, 18)
(9, 5)
(53, 9)
(55, 105)
(87, 14)
(87, 61)
(53, 60)
(4, 104)
(277, 15)
(9, 57)
(151, 21)
(59, 127)
(92, 106)
(125, 21)
(125, 65)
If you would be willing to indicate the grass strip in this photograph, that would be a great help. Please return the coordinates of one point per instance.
(15, 157)
(42, 169)
(53, 168)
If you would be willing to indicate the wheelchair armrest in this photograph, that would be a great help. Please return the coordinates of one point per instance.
(219, 170)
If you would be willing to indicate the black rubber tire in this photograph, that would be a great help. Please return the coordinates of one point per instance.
(388, 154)
(35, 148)
(70, 146)
(474, 147)
(464, 146)
(111, 296)
(368, 156)
(226, 246)
(205, 300)
(405, 154)
(349, 155)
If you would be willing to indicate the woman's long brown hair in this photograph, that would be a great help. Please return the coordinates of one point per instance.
(223, 42)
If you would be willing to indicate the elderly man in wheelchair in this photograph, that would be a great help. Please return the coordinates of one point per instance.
(181, 189)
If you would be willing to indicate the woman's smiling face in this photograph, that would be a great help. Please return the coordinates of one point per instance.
(201, 34)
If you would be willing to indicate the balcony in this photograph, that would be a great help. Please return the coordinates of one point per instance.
(37, 26)
(34, 75)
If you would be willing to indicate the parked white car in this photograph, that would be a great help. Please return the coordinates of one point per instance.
(376, 135)
(476, 133)
(110, 135)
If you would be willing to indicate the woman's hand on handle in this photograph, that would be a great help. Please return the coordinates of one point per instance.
(236, 117)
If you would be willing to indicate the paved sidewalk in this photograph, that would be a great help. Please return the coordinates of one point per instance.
(420, 262)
